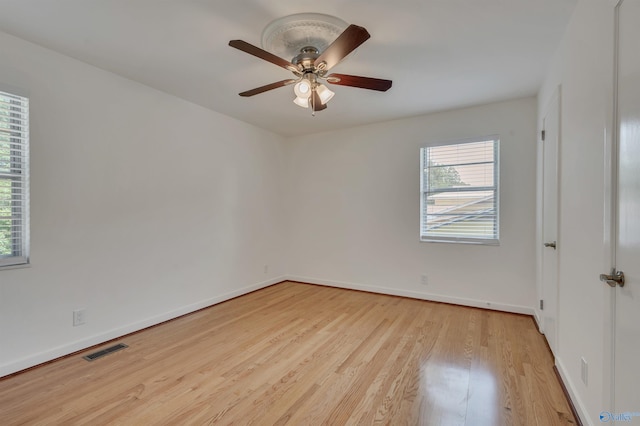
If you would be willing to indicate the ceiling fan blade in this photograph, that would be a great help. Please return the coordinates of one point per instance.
(361, 82)
(316, 103)
(346, 43)
(263, 54)
(267, 87)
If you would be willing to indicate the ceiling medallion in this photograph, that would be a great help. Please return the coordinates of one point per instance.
(287, 36)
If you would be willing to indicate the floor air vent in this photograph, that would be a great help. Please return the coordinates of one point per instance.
(104, 352)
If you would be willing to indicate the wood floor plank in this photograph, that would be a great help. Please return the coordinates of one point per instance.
(294, 354)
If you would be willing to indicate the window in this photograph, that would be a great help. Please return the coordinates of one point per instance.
(459, 192)
(14, 179)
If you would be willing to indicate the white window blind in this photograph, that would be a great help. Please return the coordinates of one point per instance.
(459, 192)
(14, 179)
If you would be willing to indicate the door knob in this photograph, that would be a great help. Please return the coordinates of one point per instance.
(552, 245)
(616, 278)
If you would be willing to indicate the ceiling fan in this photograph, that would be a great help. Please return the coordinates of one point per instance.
(311, 66)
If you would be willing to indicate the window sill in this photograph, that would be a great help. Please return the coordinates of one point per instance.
(462, 241)
(15, 266)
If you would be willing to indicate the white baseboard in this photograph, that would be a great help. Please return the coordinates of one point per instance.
(571, 389)
(79, 345)
(69, 348)
(538, 320)
(486, 304)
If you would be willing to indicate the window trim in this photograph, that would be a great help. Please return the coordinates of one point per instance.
(21, 257)
(496, 187)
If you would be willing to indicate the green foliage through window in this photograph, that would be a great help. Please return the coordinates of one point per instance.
(14, 153)
(443, 176)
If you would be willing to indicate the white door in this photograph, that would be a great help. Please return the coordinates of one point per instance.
(549, 308)
(627, 312)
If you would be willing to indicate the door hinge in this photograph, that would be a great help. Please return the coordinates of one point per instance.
(541, 305)
(542, 134)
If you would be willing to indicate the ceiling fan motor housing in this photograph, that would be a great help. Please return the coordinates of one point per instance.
(306, 59)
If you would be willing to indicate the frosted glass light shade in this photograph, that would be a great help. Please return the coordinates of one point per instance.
(302, 89)
(324, 93)
(301, 102)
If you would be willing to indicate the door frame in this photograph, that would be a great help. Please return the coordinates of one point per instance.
(555, 98)
(611, 153)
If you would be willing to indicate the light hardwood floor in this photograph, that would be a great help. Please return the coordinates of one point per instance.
(301, 354)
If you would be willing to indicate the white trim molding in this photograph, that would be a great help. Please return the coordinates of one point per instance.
(116, 333)
(474, 303)
(573, 394)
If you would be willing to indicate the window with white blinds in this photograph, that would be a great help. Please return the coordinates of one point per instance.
(14, 179)
(459, 192)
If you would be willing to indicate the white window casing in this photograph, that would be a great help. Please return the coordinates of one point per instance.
(14, 179)
(459, 191)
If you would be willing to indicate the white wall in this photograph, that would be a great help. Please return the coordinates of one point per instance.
(584, 67)
(143, 207)
(353, 210)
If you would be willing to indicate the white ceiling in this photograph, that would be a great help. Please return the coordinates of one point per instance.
(440, 54)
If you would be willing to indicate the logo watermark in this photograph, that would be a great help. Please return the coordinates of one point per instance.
(627, 416)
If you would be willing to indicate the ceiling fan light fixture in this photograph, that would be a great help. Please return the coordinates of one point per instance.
(314, 57)
(325, 93)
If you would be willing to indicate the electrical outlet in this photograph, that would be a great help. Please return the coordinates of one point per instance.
(79, 317)
(265, 269)
(584, 371)
(423, 279)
